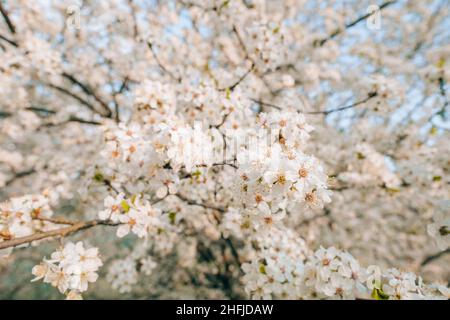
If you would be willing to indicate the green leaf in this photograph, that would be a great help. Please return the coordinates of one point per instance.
(433, 130)
(378, 294)
(246, 224)
(262, 268)
(98, 177)
(172, 217)
(196, 174)
(444, 231)
(393, 190)
(125, 205)
(360, 156)
(225, 4)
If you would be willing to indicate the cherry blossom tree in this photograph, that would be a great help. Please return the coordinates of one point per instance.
(283, 149)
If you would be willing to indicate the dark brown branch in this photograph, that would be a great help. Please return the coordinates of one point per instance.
(116, 105)
(62, 232)
(76, 97)
(262, 103)
(11, 42)
(5, 114)
(442, 90)
(200, 204)
(20, 175)
(216, 8)
(163, 68)
(73, 119)
(352, 24)
(109, 185)
(217, 126)
(233, 251)
(435, 256)
(242, 78)
(40, 110)
(247, 56)
(86, 89)
(327, 112)
(242, 44)
(8, 21)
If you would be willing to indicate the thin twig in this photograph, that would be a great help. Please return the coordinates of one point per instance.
(217, 126)
(19, 175)
(433, 257)
(327, 112)
(11, 42)
(242, 78)
(353, 23)
(443, 93)
(86, 89)
(72, 119)
(200, 204)
(116, 104)
(262, 103)
(163, 68)
(8, 21)
(78, 98)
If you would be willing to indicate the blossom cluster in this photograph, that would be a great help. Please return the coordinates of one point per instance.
(275, 175)
(23, 216)
(123, 274)
(332, 274)
(396, 285)
(268, 44)
(134, 215)
(70, 269)
(277, 267)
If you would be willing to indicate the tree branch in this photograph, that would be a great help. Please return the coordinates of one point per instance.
(164, 69)
(86, 89)
(8, 21)
(262, 103)
(234, 85)
(433, 257)
(62, 232)
(11, 42)
(327, 112)
(442, 91)
(72, 119)
(19, 175)
(78, 98)
(352, 24)
(200, 204)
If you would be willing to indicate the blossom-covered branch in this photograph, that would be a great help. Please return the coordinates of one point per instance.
(239, 149)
